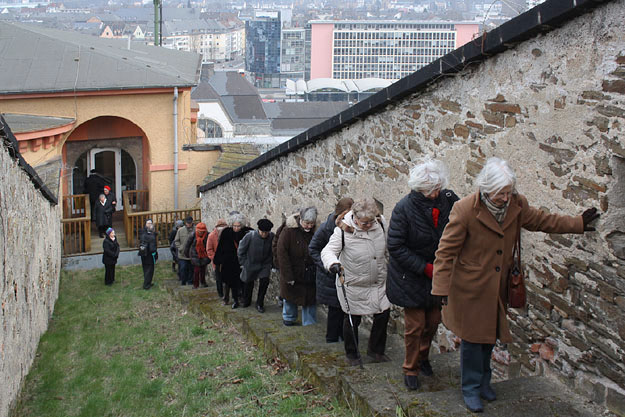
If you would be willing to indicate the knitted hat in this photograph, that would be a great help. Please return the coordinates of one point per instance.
(221, 223)
(264, 225)
(106, 187)
(189, 219)
(109, 230)
(201, 227)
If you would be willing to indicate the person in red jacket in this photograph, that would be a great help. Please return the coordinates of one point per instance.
(211, 248)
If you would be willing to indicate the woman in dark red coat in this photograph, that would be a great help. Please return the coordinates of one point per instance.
(297, 268)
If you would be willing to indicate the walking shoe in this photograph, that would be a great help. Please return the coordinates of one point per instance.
(260, 309)
(378, 357)
(487, 393)
(426, 368)
(411, 382)
(288, 323)
(235, 304)
(352, 361)
(474, 404)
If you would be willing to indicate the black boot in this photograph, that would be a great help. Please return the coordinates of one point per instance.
(173, 266)
(219, 284)
(226, 296)
(236, 301)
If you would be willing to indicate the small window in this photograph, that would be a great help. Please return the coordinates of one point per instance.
(210, 128)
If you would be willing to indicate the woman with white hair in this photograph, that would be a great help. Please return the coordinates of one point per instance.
(472, 263)
(416, 227)
(226, 259)
(297, 268)
(358, 246)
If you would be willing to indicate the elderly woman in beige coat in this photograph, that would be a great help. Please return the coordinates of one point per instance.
(471, 269)
(359, 245)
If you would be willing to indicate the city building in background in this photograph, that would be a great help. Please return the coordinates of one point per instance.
(262, 48)
(292, 55)
(208, 37)
(381, 49)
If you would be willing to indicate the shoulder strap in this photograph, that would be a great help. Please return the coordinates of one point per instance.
(342, 240)
(516, 252)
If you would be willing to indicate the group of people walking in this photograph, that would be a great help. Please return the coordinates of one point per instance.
(440, 258)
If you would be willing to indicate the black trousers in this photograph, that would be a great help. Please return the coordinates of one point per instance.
(218, 282)
(109, 274)
(248, 289)
(334, 327)
(377, 340)
(148, 273)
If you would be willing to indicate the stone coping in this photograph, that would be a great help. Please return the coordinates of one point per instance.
(378, 389)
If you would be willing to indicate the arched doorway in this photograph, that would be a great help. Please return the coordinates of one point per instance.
(114, 164)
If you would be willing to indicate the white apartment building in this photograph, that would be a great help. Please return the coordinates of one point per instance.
(381, 49)
(209, 38)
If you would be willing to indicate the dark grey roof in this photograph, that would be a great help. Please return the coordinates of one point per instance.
(204, 92)
(22, 123)
(293, 118)
(304, 110)
(231, 83)
(541, 19)
(190, 26)
(147, 13)
(36, 59)
(244, 109)
(239, 98)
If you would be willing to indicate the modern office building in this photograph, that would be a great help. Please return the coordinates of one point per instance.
(381, 49)
(262, 48)
(292, 55)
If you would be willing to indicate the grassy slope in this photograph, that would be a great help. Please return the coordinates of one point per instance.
(123, 351)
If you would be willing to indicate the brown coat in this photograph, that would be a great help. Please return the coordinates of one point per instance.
(473, 259)
(293, 258)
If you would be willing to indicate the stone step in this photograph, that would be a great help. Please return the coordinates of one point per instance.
(378, 389)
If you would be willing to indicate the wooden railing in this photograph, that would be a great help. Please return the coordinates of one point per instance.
(76, 224)
(163, 220)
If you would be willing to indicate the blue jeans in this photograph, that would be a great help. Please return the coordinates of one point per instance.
(185, 270)
(475, 367)
(309, 313)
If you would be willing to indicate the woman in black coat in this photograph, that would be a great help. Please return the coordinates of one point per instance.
(149, 254)
(110, 245)
(103, 215)
(226, 258)
(326, 286)
(415, 229)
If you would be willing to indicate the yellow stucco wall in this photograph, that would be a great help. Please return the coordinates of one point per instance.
(153, 113)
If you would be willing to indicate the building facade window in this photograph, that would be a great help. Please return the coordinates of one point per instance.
(210, 128)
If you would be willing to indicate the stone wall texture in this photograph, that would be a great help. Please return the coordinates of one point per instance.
(554, 106)
(30, 266)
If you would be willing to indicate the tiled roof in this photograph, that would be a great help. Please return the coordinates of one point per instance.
(233, 156)
(541, 19)
(38, 60)
(22, 123)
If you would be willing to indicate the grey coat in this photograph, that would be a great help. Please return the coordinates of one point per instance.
(255, 256)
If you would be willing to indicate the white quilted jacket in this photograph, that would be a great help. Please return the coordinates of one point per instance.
(364, 259)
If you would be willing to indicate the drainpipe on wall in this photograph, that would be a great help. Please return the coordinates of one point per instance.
(175, 148)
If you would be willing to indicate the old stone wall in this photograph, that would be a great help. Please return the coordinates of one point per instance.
(30, 254)
(554, 106)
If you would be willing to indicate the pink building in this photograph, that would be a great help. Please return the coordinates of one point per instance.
(354, 49)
